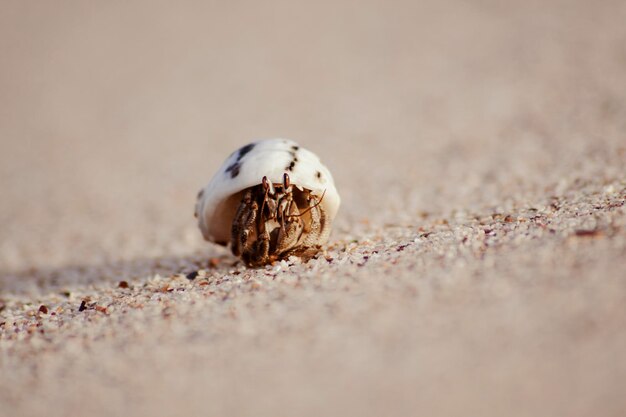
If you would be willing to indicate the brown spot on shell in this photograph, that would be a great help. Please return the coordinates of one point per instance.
(244, 151)
(234, 169)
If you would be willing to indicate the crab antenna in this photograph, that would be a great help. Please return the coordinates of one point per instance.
(313, 206)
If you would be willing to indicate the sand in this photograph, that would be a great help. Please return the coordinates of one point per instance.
(477, 264)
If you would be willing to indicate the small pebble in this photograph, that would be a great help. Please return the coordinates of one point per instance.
(588, 233)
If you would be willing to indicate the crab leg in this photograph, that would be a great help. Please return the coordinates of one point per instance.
(290, 230)
(316, 226)
(243, 223)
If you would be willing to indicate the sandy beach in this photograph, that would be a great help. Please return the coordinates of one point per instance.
(477, 263)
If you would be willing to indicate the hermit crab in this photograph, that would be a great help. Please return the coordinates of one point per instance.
(270, 200)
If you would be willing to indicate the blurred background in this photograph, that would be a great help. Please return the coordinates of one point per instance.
(113, 114)
(479, 148)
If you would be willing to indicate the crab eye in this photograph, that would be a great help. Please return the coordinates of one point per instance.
(286, 181)
(266, 185)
